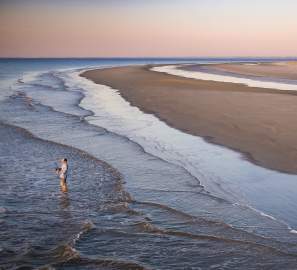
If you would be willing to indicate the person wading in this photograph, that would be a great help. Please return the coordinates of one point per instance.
(62, 173)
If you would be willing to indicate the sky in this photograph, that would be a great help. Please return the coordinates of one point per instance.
(148, 28)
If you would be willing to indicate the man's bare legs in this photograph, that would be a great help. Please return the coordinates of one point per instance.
(63, 185)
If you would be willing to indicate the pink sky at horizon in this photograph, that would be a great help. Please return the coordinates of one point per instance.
(183, 28)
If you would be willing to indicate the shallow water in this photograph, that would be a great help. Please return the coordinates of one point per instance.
(143, 209)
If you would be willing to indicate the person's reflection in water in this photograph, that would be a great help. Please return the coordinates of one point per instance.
(64, 201)
(66, 223)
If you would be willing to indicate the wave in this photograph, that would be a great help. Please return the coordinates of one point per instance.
(99, 264)
(146, 228)
(209, 229)
(65, 255)
(87, 226)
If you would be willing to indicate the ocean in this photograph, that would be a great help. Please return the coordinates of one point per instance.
(142, 195)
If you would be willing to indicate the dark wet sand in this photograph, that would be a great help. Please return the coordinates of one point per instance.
(258, 122)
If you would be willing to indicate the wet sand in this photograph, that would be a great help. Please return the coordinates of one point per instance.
(261, 123)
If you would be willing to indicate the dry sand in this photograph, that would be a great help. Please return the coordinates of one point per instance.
(261, 123)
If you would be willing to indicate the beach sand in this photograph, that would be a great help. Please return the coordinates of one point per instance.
(261, 123)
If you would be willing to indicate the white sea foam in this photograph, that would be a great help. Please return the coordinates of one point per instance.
(262, 213)
(266, 215)
(174, 70)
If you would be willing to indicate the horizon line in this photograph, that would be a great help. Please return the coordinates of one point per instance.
(148, 57)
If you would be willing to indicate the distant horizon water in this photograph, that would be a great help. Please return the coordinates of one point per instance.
(157, 57)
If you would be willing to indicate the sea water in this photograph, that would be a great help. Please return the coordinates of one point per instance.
(141, 194)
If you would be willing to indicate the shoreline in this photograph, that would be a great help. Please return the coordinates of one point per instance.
(193, 106)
